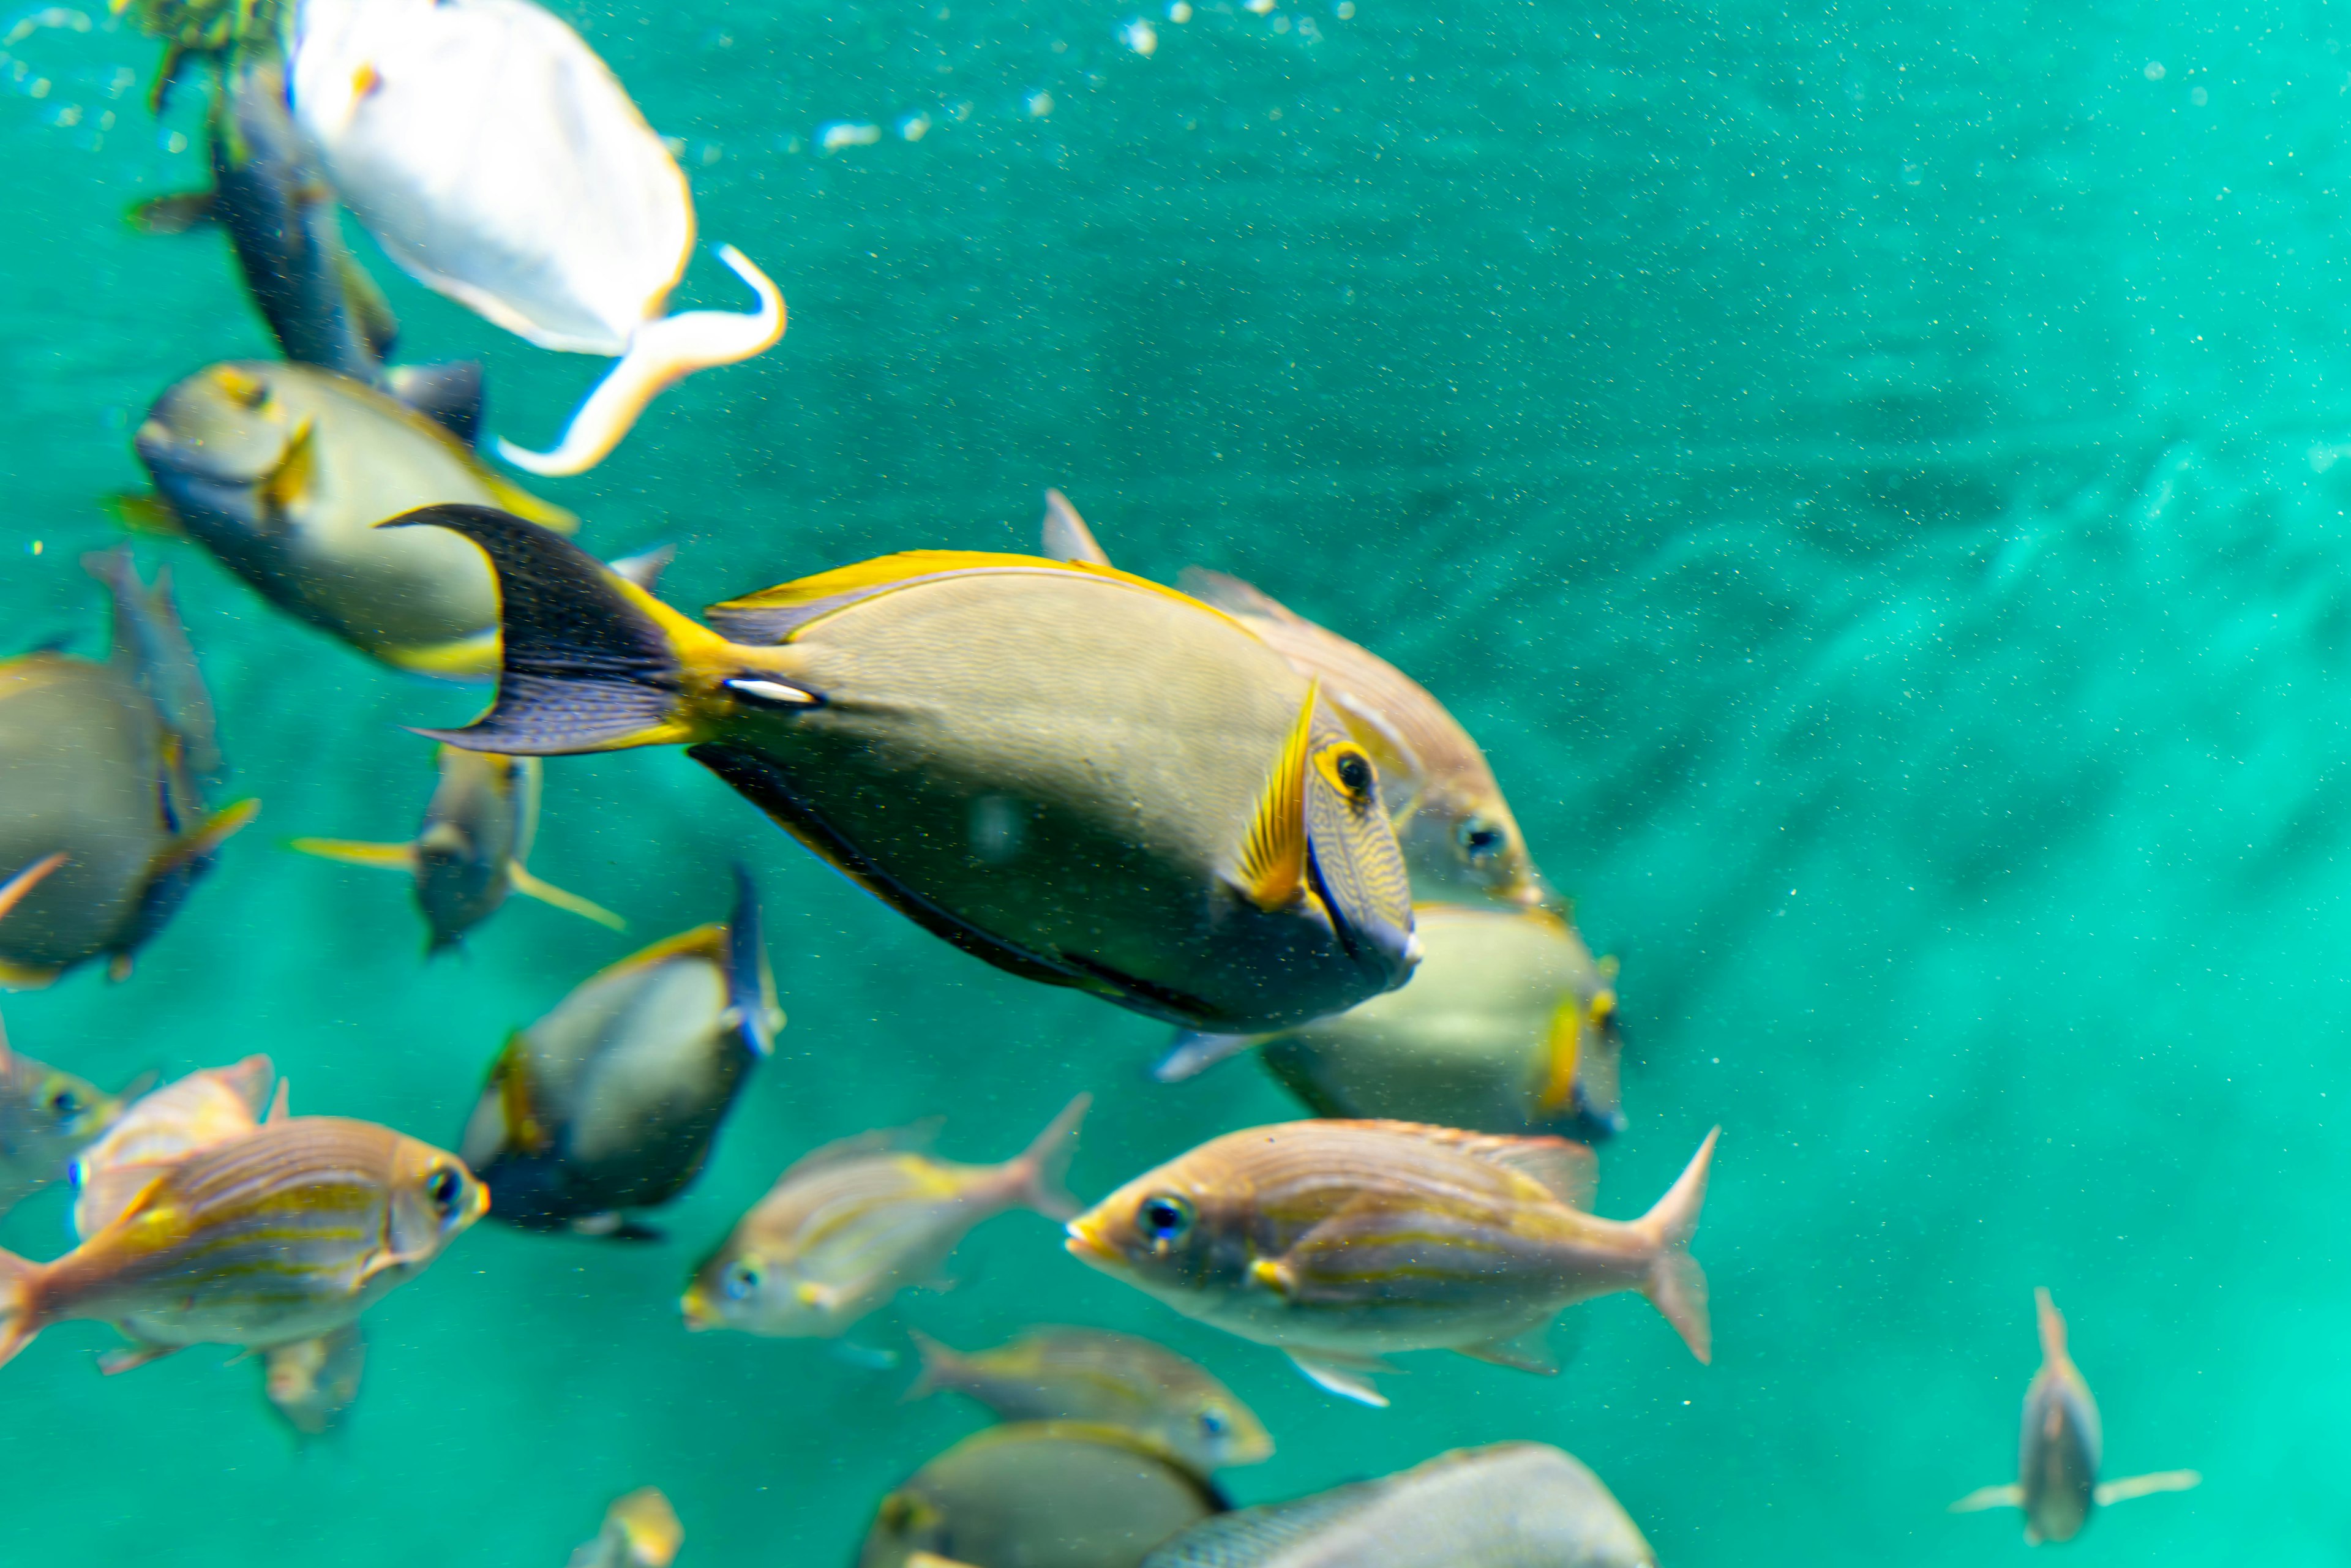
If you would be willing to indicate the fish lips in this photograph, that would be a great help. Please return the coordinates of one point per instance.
(1086, 1243)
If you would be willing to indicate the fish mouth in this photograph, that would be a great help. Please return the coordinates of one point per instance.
(699, 1318)
(1087, 1244)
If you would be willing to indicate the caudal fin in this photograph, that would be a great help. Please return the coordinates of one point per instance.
(1676, 1285)
(20, 1317)
(938, 1361)
(1045, 1161)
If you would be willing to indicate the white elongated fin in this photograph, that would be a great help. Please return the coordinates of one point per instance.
(1347, 1382)
(1193, 1053)
(2129, 1486)
(2008, 1496)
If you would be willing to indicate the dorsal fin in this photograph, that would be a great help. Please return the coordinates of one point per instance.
(778, 614)
(1065, 536)
(2052, 1324)
(913, 1138)
(1566, 1169)
(1272, 871)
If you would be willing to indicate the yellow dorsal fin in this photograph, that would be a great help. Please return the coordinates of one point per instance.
(846, 585)
(1272, 871)
(1561, 1052)
(290, 482)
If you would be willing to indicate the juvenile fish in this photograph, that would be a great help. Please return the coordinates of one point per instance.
(612, 1102)
(1457, 830)
(104, 764)
(469, 854)
(281, 471)
(1039, 1495)
(47, 1116)
(1109, 1379)
(284, 1234)
(1338, 1242)
(641, 1531)
(1511, 1505)
(1508, 1025)
(1081, 777)
(312, 1384)
(844, 1228)
(2057, 1480)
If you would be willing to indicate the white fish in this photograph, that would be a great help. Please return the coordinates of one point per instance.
(501, 162)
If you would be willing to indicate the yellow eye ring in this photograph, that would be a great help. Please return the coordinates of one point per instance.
(1347, 768)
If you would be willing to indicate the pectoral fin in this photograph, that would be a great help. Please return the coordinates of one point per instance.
(1193, 1053)
(2129, 1486)
(1272, 871)
(1348, 1380)
(203, 839)
(530, 887)
(351, 852)
(2009, 1495)
(289, 483)
(1563, 1050)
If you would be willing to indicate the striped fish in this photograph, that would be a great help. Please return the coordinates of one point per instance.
(842, 1230)
(284, 1234)
(1337, 1241)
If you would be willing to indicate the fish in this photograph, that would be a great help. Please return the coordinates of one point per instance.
(469, 854)
(1508, 1505)
(312, 1384)
(105, 765)
(1043, 1494)
(1508, 1025)
(284, 1234)
(845, 1226)
(500, 162)
(161, 1128)
(1110, 1379)
(1339, 1241)
(1458, 835)
(1078, 776)
(282, 470)
(2057, 1483)
(612, 1102)
(46, 1117)
(641, 1531)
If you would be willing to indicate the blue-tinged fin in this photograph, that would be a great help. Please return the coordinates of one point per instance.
(750, 983)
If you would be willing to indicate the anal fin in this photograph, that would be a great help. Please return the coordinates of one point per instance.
(137, 1354)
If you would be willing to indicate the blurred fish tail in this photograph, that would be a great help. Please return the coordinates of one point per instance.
(1675, 1285)
(20, 1317)
(1043, 1165)
(939, 1364)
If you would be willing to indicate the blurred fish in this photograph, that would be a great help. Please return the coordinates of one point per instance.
(162, 1128)
(2057, 1480)
(499, 162)
(1511, 1505)
(284, 1234)
(103, 764)
(847, 1225)
(46, 1117)
(469, 855)
(612, 1102)
(1081, 777)
(282, 471)
(1055, 1494)
(641, 1531)
(1458, 835)
(313, 1383)
(1110, 1379)
(1508, 1025)
(1337, 1241)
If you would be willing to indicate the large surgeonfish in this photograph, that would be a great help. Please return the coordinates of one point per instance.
(1079, 776)
(2057, 1480)
(501, 162)
(1458, 834)
(282, 471)
(469, 854)
(612, 1102)
(103, 764)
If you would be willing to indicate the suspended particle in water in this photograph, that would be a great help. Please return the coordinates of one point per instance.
(2199, 98)
(1260, 7)
(1140, 35)
(1040, 104)
(915, 127)
(1178, 12)
(841, 134)
(1344, 10)
(2155, 70)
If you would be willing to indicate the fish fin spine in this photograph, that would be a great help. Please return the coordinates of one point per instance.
(2108, 1493)
(1041, 1166)
(1272, 873)
(2010, 1495)
(20, 1304)
(354, 851)
(530, 887)
(1675, 1285)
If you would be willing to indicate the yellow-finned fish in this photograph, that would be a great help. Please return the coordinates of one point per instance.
(46, 1117)
(312, 1384)
(287, 1233)
(1457, 833)
(469, 854)
(1509, 1505)
(283, 471)
(847, 1225)
(641, 1531)
(1338, 1242)
(104, 764)
(1508, 1025)
(1082, 776)
(2057, 1480)
(1049, 1494)
(1111, 1379)
(612, 1102)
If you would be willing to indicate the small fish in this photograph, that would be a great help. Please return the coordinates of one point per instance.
(1052, 1494)
(641, 1531)
(1081, 777)
(612, 1102)
(1457, 833)
(285, 1233)
(162, 1128)
(499, 162)
(1508, 1025)
(1337, 1241)
(46, 1117)
(313, 1383)
(469, 854)
(1510, 1505)
(1110, 1379)
(281, 471)
(104, 764)
(845, 1228)
(2057, 1480)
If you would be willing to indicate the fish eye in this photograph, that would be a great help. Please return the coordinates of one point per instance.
(1353, 772)
(741, 1280)
(441, 1190)
(1478, 838)
(1167, 1218)
(1349, 770)
(1213, 1425)
(66, 1103)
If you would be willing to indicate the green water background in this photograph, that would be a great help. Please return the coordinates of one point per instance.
(1864, 474)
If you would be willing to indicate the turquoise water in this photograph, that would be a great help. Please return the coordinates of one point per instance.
(1866, 478)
